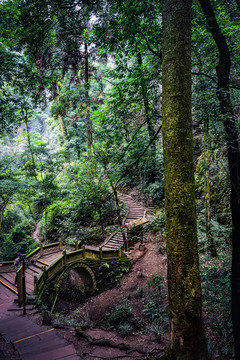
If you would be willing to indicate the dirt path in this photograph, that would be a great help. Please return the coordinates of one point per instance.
(36, 233)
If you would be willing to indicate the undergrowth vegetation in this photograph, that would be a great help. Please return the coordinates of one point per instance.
(151, 316)
(216, 292)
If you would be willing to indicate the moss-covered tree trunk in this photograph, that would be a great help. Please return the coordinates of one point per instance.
(184, 287)
(207, 190)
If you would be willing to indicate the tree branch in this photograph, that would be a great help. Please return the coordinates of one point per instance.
(208, 76)
(144, 151)
(159, 55)
(127, 147)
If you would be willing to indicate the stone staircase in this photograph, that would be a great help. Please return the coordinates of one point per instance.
(29, 340)
(135, 212)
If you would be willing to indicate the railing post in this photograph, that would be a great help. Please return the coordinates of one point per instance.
(41, 249)
(64, 257)
(36, 285)
(24, 284)
(44, 273)
(119, 253)
(100, 252)
(84, 252)
(60, 244)
(76, 244)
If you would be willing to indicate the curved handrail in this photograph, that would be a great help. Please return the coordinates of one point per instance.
(49, 272)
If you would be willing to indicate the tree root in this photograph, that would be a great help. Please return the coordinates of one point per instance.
(111, 343)
(116, 357)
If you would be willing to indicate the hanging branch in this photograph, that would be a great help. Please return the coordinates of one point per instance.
(139, 157)
(208, 76)
(159, 55)
(129, 144)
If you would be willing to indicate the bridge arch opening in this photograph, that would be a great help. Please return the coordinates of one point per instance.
(76, 283)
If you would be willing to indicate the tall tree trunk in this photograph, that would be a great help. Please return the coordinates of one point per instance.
(61, 120)
(63, 128)
(231, 133)
(88, 119)
(3, 206)
(207, 190)
(33, 166)
(45, 216)
(184, 286)
(150, 127)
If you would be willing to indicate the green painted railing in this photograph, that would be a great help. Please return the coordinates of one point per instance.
(40, 249)
(19, 276)
(52, 270)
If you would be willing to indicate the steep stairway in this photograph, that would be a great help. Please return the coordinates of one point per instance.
(135, 212)
(33, 268)
(30, 340)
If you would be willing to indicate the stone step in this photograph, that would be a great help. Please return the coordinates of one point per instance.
(36, 267)
(109, 247)
(32, 270)
(50, 344)
(9, 277)
(8, 285)
(115, 240)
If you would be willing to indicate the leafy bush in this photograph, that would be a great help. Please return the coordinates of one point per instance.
(155, 305)
(216, 292)
(158, 329)
(12, 216)
(158, 223)
(9, 249)
(75, 319)
(86, 202)
(219, 232)
(121, 314)
(155, 191)
(125, 329)
(16, 233)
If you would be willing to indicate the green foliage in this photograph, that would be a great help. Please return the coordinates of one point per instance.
(216, 289)
(155, 191)
(157, 225)
(9, 249)
(158, 328)
(42, 47)
(16, 233)
(125, 329)
(155, 306)
(76, 319)
(121, 314)
(85, 206)
(221, 233)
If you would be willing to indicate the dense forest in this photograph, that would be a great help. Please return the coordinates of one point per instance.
(101, 97)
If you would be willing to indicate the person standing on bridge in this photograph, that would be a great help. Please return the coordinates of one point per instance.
(17, 263)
